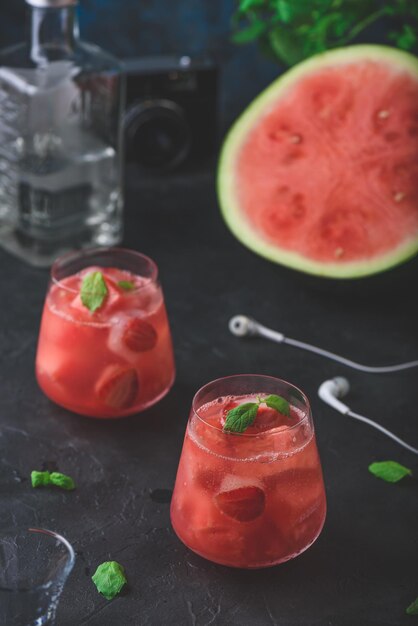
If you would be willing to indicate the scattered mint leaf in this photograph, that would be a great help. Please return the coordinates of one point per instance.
(93, 291)
(109, 579)
(43, 479)
(280, 404)
(390, 471)
(40, 479)
(239, 418)
(412, 608)
(62, 481)
(127, 285)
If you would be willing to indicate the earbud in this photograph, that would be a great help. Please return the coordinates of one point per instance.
(333, 389)
(241, 326)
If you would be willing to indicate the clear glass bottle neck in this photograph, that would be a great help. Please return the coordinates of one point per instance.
(54, 32)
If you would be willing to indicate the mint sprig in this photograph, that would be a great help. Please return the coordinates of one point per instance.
(390, 471)
(109, 579)
(126, 285)
(43, 479)
(93, 291)
(412, 609)
(243, 416)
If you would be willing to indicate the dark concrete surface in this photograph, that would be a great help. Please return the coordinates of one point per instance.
(362, 569)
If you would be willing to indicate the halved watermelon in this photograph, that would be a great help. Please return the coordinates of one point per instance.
(320, 173)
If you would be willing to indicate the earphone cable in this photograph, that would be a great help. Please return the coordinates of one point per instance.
(340, 359)
(383, 430)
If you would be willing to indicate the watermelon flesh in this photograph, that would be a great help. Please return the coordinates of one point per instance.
(321, 172)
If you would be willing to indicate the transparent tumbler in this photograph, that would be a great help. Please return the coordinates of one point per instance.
(251, 499)
(34, 566)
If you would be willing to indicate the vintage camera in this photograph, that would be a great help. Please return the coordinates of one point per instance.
(171, 116)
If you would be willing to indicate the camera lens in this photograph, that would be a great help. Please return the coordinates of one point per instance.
(158, 136)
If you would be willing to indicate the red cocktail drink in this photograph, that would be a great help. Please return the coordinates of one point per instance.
(105, 346)
(250, 499)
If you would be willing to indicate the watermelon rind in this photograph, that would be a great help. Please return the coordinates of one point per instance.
(230, 207)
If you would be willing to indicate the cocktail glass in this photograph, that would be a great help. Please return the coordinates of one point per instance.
(254, 499)
(116, 360)
(34, 566)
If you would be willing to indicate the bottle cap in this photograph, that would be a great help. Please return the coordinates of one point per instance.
(51, 4)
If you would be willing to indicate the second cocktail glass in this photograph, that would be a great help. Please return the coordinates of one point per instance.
(34, 566)
(254, 499)
(105, 345)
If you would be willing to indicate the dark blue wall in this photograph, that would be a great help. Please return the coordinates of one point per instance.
(143, 27)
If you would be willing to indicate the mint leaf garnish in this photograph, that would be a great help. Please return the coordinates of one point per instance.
(412, 608)
(280, 404)
(43, 479)
(40, 479)
(390, 471)
(109, 579)
(239, 418)
(127, 285)
(242, 416)
(93, 291)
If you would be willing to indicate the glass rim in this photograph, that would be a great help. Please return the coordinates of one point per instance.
(66, 570)
(91, 252)
(267, 433)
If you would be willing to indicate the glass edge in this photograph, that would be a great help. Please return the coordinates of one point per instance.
(307, 416)
(91, 252)
(68, 566)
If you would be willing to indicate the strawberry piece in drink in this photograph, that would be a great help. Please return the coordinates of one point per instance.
(139, 335)
(118, 387)
(241, 499)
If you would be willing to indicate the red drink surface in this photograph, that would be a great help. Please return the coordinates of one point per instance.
(250, 500)
(110, 363)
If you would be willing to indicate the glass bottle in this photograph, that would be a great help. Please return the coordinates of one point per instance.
(61, 103)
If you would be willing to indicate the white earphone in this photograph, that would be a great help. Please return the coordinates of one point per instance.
(243, 326)
(331, 390)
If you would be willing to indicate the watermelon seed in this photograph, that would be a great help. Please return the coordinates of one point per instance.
(399, 196)
(339, 252)
(383, 114)
(296, 139)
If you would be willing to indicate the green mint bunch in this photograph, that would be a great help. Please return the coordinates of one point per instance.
(289, 31)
